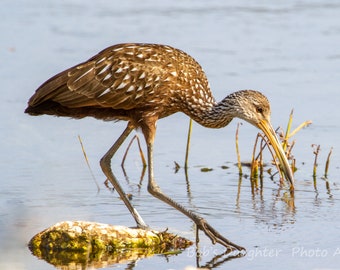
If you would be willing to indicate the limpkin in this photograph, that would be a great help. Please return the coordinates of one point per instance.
(141, 83)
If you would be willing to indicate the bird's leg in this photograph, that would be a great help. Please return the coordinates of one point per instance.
(105, 163)
(201, 223)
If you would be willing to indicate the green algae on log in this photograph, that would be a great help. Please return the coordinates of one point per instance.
(82, 241)
(93, 237)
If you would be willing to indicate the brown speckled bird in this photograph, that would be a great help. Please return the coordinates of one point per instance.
(141, 83)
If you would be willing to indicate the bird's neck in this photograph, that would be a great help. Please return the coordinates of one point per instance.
(216, 116)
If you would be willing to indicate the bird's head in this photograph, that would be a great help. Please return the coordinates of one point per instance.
(253, 107)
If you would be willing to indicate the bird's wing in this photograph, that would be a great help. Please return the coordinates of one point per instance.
(113, 78)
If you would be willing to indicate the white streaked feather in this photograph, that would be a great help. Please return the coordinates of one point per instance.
(104, 69)
(106, 91)
(131, 88)
(108, 76)
(127, 77)
(142, 76)
(121, 86)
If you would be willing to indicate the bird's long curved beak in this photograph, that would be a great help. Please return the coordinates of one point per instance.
(268, 130)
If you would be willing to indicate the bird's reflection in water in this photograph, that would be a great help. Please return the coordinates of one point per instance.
(210, 257)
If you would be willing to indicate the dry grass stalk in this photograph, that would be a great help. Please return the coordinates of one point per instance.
(140, 151)
(286, 135)
(327, 162)
(188, 145)
(239, 165)
(254, 166)
(87, 162)
(288, 147)
(316, 153)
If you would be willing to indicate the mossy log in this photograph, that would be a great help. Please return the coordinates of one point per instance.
(90, 242)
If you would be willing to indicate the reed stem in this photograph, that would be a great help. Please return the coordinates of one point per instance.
(316, 153)
(188, 146)
(87, 162)
(239, 165)
(327, 162)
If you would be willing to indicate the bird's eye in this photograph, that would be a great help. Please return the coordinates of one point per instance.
(259, 110)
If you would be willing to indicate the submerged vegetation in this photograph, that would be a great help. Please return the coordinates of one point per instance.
(257, 164)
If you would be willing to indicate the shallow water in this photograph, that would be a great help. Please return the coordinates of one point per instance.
(289, 51)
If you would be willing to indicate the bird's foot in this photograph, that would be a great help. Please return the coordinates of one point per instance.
(216, 237)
